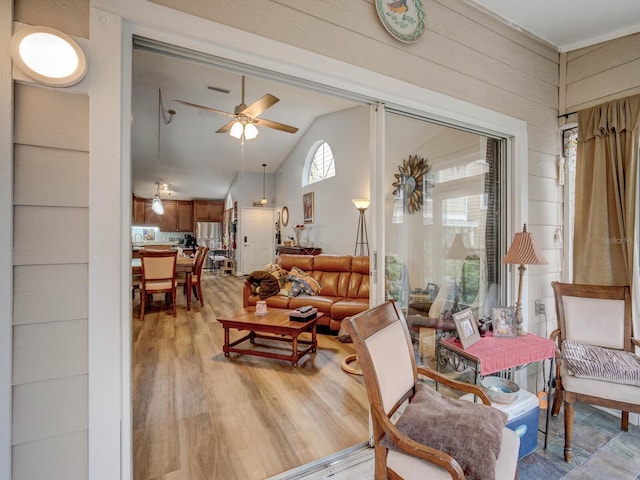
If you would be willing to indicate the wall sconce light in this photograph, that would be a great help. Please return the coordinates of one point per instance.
(48, 56)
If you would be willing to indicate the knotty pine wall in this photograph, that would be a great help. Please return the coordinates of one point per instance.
(50, 265)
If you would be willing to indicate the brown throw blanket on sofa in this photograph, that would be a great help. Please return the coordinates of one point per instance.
(266, 285)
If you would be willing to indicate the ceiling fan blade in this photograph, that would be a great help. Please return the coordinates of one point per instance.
(260, 105)
(202, 107)
(225, 128)
(263, 122)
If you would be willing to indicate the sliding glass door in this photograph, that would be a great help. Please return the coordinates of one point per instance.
(444, 210)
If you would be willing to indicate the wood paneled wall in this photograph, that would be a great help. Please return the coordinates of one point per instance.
(602, 72)
(50, 269)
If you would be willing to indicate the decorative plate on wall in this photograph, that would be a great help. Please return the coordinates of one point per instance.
(403, 19)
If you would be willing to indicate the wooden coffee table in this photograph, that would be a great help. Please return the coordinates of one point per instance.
(277, 326)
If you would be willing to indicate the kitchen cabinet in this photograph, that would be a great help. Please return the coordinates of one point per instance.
(167, 221)
(208, 210)
(178, 215)
(138, 211)
(184, 220)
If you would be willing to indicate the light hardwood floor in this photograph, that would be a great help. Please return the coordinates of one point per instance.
(199, 415)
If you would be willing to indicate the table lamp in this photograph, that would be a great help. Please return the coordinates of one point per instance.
(522, 252)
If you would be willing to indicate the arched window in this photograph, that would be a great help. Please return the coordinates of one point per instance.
(319, 164)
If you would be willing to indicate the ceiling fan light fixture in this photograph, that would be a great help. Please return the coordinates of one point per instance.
(250, 131)
(236, 130)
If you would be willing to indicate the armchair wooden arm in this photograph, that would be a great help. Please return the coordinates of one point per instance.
(454, 384)
(635, 341)
(414, 448)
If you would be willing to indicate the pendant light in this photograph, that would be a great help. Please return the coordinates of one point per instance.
(156, 203)
(264, 172)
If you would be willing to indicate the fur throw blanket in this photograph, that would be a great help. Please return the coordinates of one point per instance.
(471, 433)
(263, 283)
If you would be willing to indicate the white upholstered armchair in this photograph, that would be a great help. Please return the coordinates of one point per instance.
(596, 360)
(433, 438)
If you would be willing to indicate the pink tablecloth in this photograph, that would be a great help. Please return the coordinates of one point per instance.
(495, 354)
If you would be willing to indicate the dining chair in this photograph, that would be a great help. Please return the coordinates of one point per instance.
(596, 361)
(435, 436)
(158, 276)
(196, 276)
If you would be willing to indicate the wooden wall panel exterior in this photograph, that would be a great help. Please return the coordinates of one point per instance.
(48, 235)
(49, 293)
(68, 16)
(49, 408)
(602, 72)
(50, 176)
(50, 239)
(49, 350)
(53, 455)
(51, 118)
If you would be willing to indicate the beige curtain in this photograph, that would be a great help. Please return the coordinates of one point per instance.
(606, 173)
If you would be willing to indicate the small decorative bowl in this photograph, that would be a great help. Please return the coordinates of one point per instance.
(500, 390)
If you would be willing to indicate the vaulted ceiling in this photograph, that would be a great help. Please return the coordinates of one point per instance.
(199, 163)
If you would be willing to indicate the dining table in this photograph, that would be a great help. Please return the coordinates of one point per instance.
(184, 264)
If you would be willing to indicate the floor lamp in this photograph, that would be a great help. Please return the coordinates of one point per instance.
(522, 252)
(362, 239)
(457, 251)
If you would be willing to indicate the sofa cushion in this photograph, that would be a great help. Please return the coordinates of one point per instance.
(348, 307)
(304, 262)
(322, 303)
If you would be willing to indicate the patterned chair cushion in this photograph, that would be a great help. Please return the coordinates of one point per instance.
(589, 361)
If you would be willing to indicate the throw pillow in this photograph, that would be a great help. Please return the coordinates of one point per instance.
(469, 432)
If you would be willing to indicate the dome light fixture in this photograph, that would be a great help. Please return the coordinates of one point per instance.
(48, 56)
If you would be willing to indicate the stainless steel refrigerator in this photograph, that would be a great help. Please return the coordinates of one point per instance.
(209, 234)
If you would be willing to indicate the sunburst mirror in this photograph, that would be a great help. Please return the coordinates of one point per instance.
(410, 182)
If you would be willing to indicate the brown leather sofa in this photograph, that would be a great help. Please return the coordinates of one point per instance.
(345, 286)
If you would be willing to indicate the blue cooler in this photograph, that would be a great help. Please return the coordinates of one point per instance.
(523, 419)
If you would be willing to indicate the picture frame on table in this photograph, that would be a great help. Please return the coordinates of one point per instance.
(504, 322)
(307, 207)
(466, 327)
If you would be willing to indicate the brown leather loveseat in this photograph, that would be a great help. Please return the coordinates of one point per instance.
(344, 281)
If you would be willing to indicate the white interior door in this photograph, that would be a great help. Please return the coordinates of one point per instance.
(258, 245)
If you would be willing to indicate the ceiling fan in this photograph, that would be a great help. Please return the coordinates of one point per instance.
(245, 118)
